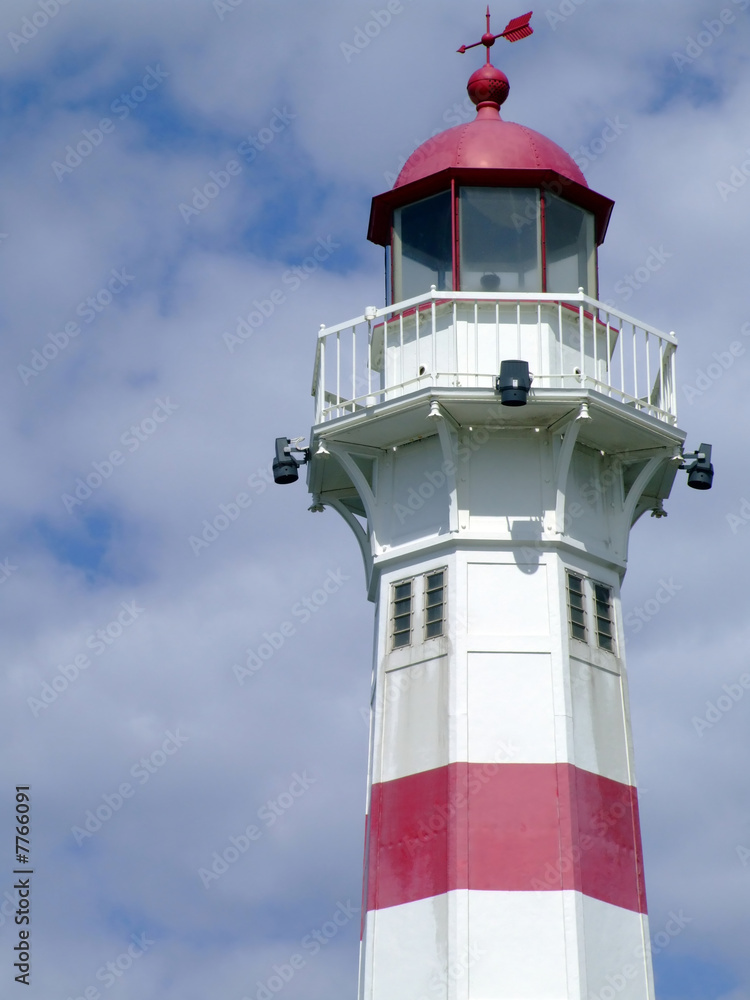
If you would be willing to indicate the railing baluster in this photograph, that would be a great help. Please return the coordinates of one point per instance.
(401, 349)
(497, 337)
(476, 343)
(649, 387)
(322, 383)
(354, 366)
(539, 360)
(581, 331)
(560, 341)
(338, 371)
(635, 363)
(609, 350)
(454, 340)
(369, 367)
(595, 328)
(518, 330)
(417, 348)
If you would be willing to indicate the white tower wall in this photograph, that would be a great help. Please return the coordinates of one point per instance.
(504, 855)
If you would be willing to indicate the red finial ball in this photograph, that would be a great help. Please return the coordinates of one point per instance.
(488, 84)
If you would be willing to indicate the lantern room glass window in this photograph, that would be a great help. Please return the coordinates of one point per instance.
(422, 247)
(500, 240)
(571, 246)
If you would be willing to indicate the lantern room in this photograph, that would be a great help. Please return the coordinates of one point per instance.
(491, 236)
(489, 206)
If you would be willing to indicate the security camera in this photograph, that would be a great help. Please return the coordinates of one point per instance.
(513, 383)
(698, 466)
(286, 466)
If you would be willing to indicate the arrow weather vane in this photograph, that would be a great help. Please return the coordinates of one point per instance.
(514, 30)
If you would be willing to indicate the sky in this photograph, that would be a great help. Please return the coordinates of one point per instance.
(134, 414)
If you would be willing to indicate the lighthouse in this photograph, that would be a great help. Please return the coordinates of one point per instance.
(491, 435)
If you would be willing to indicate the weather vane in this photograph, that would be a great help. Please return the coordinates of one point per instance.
(514, 30)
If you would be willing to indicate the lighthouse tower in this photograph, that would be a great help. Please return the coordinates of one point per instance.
(491, 436)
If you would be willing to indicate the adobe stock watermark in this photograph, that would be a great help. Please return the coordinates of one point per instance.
(586, 155)
(617, 982)
(310, 945)
(453, 973)
(637, 618)
(99, 642)
(259, 141)
(606, 818)
(131, 440)
(436, 823)
(112, 802)
(379, 19)
(268, 814)
(565, 10)
(121, 107)
(111, 972)
(707, 377)
(6, 570)
(741, 518)
(717, 710)
(31, 26)
(592, 490)
(224, 7)
(456, 114)
(231, 511)
(303, 610)
(291, 281)
(737, 179)
(88, 309)
(629, 284)
(249, 148)
(711, 29)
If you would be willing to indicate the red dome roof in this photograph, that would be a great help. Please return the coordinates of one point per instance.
(487, 151)
(489, 142)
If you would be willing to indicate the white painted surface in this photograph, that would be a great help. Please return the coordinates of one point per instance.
(415, 735)
(616, 945)
(505, 482)
(599, 734)
(520, 943)
(511, 708)
(504, 600)
(407, 951)
(473, 945)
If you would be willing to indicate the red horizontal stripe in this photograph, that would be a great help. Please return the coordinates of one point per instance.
(519, 827)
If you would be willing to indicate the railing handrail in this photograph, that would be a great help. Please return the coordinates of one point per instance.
(553, 298)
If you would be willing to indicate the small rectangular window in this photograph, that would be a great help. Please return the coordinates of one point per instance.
(605, 627)
(576, 607)
(403, 601)
(434, 604)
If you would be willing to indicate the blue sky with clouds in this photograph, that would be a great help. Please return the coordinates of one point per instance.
(114, 309)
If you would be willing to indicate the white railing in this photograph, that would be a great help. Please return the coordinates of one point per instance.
(458, 339)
